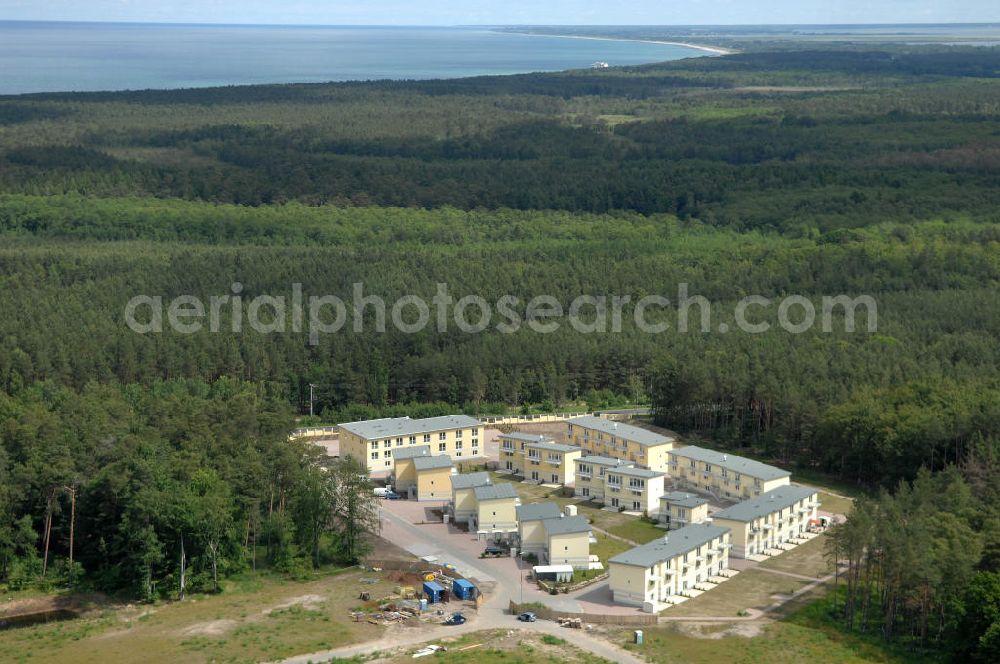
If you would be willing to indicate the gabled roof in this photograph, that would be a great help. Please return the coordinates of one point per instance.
(765, 503)
(630, 471)
(432, 462)
(736, 464)
(404, 426)
(469, 480)
(564, 525)
(671, 545)
(495, 491)
(682, 499)
(643, 437)
(596, 460)
(538, 511)
(411, 452)
(554, 447)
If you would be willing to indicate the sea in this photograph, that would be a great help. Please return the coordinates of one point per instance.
(62, 57)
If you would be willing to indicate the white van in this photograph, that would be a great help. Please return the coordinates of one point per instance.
(380, 491)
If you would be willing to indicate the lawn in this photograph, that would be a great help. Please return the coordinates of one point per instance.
(835, 504)
(750, 589)
(807, 559)
(607, 547)
(255, 618)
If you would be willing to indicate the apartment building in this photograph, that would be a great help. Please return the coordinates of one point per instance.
(550, 463)
(496, 509)
(635, 489)
(463, 498)
(724, 475)
(433, 477)
(775, 517)
(679, 509)
(512, 449)
(652, 574)
(589, 475)
(404, 473)
(567, 541)
(375, 443)
(530, 531)
(603, 437)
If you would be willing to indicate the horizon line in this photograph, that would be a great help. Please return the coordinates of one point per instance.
(502, 25)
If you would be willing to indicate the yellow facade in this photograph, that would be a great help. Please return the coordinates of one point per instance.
(373, 442)
(569, 549)
(678, 510)
(463, 495)
(589, 475)
(601, 437)
(434, 484)
(656, 574)
(634, 489)
(404, 475)
(778, 517)
(726, 476)
(496, 516)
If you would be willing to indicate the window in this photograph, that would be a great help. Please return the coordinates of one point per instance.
(458, 454)
(374, 455)
(680, 513)
(399, 442)
(585, 491)
(413, 440)
(442, 447)
(387, 454)
(374, 444)
(636, 505)
(458, 445)
(387, 444)
(442, 436)
(458, 433)
(555, 479)
(636, 483)
(427, 438)
(475, 443)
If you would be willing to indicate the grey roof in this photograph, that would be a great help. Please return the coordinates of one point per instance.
(603, 461)
(538, 511)
(737, 464)
(554, 447)
(404, 426)
(643, 437)
(564, 525)
(683, 499)
(526, 437)
(470, 480)
(765, 503)
(673, 544)
(431, 462)
(411, 452)
(495, 491)
(636, 472)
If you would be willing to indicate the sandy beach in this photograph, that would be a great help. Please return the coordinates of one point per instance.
(717, 50)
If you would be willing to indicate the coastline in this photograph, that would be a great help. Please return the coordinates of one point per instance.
(716, 50)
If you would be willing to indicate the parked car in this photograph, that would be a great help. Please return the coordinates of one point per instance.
(455, 619)
(495, 552)
(527, 616)
(391, 495)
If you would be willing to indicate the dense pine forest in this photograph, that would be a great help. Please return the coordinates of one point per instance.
(820, 172)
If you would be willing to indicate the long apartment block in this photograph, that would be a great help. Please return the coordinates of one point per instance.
(374, 442)
(538, 458)
(774, 518)
(603, 437)
(724, 475)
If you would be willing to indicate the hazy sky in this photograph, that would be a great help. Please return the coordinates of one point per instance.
(452, 12)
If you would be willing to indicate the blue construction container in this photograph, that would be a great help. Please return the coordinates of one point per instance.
(433, 591)
(463, 589)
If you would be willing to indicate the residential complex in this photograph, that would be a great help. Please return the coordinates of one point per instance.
(658, 572)
(724, 475)
(679, 509)
(375, 443)
(567, 541)
(496, 509)
(433, 477)
(530, 531)
(463, 498)
(600, 436)
(540, 459)
(405, 474)
(589, 475)
(774, 518)
(634, 489)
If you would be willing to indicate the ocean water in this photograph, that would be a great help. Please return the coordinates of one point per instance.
(56, 57)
